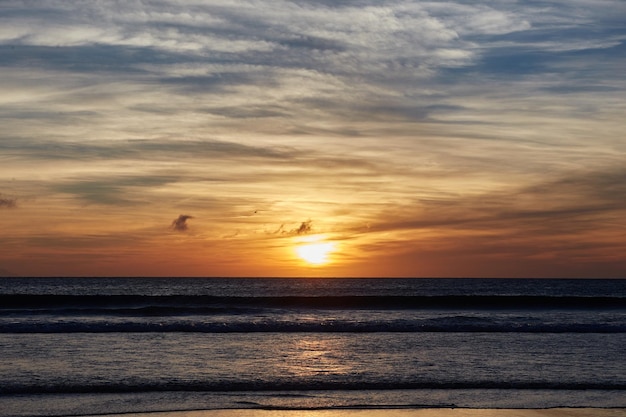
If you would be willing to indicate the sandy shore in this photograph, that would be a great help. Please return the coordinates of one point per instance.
(438, 412)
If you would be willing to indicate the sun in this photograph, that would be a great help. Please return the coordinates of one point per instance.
(315, 253)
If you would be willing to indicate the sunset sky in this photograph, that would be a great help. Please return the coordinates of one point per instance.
(394, 138)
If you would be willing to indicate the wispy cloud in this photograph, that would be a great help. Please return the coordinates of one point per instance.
(139, 148)
(428, 121)
(112, 190)
(578, 217)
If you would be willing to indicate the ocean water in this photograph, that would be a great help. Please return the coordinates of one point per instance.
(87, 346)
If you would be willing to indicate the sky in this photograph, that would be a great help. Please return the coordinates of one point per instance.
(296, 138)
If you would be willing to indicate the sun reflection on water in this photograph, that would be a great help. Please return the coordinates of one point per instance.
(311, 356)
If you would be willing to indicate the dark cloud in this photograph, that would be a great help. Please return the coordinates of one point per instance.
(180, 224)
(314, 43)
(305, 227)
(85, 58)
(7, 202)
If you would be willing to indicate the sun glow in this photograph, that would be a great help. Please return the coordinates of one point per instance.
(315, 253)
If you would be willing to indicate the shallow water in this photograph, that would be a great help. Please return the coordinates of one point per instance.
(309, 344)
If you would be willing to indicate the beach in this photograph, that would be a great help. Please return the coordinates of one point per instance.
(430, 412)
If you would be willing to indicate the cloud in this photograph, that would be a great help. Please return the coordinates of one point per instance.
(566, 215)
(305, 227)
(180, 224)
(157, 149)
(263, 59)
(113, 189)
(7, 202)
(415, 117)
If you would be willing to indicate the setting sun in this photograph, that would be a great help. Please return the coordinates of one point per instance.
(315, 253)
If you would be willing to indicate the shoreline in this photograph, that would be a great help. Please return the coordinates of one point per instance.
(387, 412)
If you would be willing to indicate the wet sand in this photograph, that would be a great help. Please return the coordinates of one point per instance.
(428, 412)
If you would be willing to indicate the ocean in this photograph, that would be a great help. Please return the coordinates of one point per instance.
(85, 346)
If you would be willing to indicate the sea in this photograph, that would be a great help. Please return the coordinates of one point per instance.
(90, 346)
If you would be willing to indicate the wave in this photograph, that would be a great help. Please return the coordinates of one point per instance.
(286, 386)
(175, 304)
(269, 325)
(211, 314)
